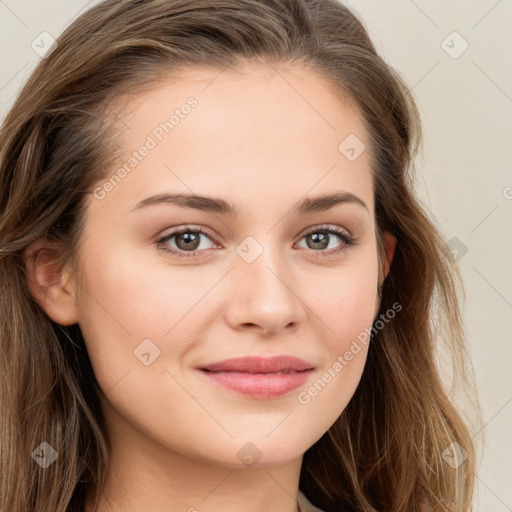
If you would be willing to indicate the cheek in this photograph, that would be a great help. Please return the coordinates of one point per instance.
(127, 299)
(347, 311)
(117, 311)
(344, 310)
(126, 293)
(345, 298)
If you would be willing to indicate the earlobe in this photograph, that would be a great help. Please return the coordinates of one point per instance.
(50, 285)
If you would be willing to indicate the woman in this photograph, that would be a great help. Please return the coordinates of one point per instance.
(220, 292)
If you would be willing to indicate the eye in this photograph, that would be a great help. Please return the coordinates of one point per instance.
(188, 240)
(320, 236)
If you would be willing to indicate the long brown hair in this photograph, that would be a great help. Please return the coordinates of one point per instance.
(386, 451)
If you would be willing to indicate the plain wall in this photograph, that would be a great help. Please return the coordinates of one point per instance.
(464, 172)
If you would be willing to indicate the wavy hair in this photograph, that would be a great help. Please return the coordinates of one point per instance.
(387, 450)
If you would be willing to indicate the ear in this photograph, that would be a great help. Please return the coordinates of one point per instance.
(390, 244)
(50, 285)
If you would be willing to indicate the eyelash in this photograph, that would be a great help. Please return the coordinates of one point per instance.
(348, 241)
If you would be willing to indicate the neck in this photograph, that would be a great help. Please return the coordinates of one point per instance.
(144, 475)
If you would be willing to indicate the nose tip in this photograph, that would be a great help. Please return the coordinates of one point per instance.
(263, 294)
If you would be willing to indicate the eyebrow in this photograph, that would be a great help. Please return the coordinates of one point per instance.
(217, 205)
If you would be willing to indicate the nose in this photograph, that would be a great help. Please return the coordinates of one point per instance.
(265, 294)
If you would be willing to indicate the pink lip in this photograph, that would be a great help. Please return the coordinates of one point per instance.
(259, 377)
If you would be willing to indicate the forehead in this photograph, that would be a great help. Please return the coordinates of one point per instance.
(255, 127)
(250, 95)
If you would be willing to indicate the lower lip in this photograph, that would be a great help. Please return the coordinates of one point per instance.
(259, 385)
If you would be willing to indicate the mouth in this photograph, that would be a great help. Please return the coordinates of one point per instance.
(254, 364)
(262, 378)
(255, 373)
(259, 385)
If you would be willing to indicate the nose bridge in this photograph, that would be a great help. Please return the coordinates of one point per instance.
(265, 293)
(261, 261)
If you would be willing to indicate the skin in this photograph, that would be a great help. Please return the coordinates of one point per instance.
(263, 140)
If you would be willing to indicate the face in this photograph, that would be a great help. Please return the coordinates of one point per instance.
(168, 287)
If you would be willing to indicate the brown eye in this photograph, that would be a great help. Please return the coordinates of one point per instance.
(319, 240)
(187, 240)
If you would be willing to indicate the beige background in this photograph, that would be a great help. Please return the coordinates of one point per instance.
(465, 170)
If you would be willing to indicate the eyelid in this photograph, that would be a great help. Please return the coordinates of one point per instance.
(178, 230)
(320, 227)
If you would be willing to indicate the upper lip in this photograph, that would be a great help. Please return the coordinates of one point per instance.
(254, 364)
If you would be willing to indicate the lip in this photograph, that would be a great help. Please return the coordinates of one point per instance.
(259, 377)
(255, 364)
